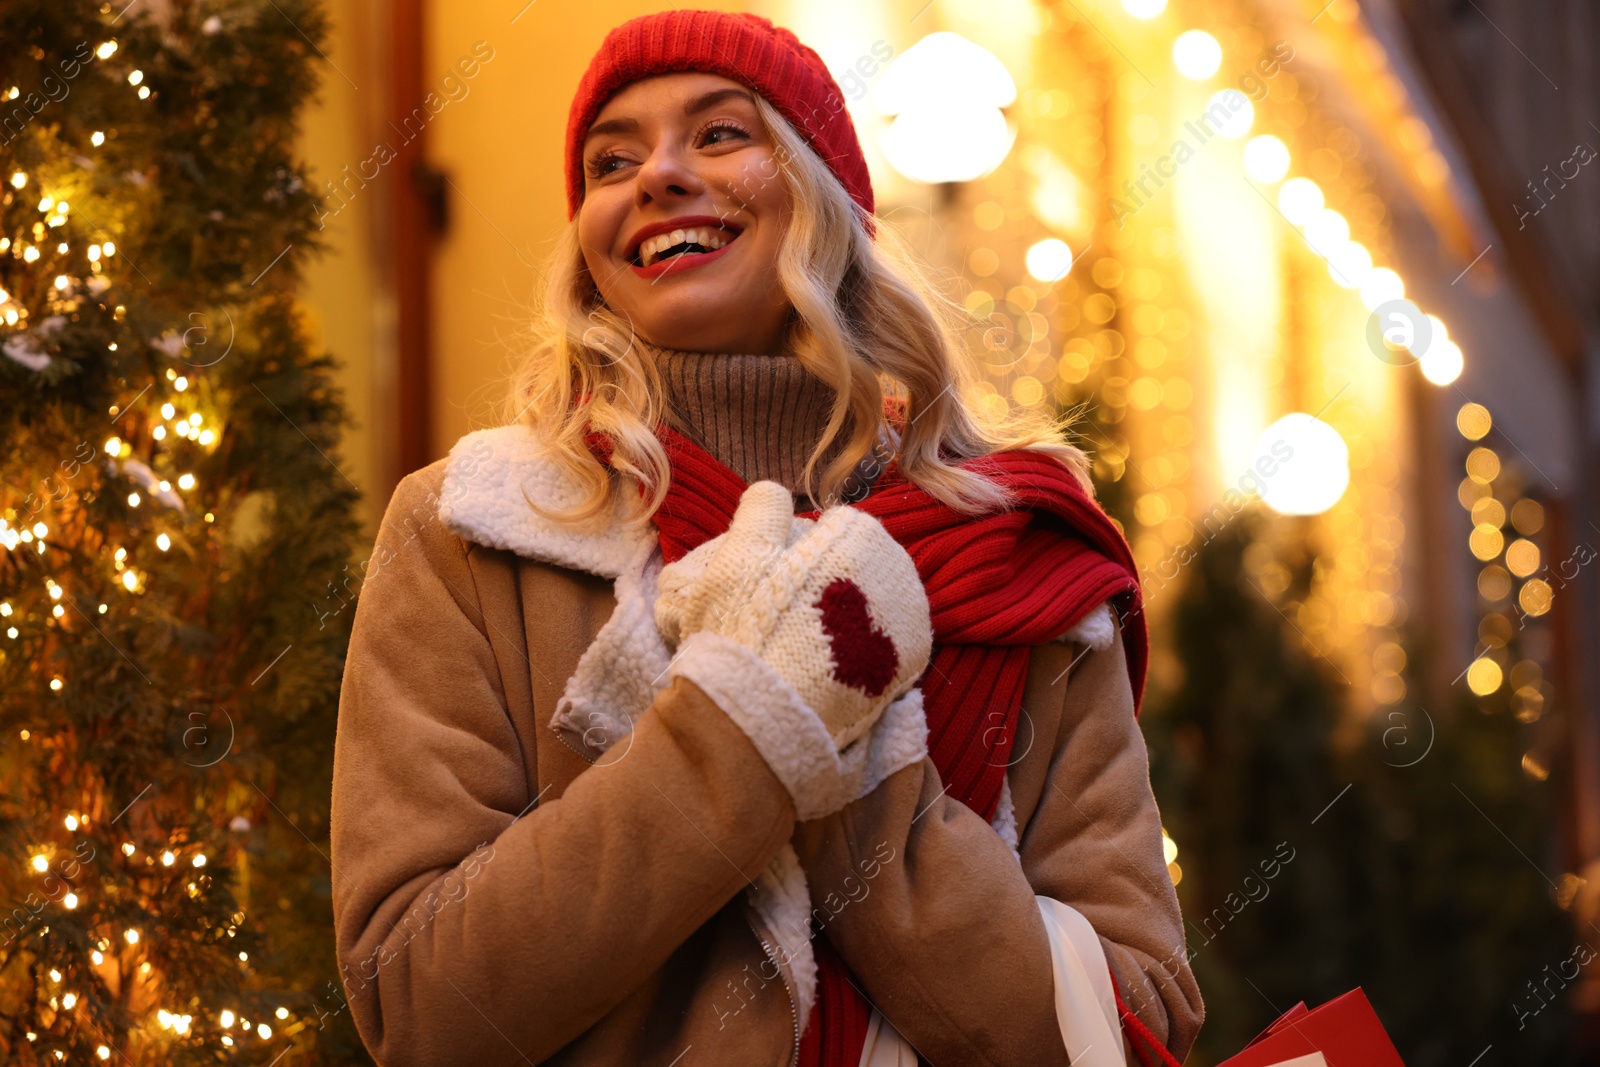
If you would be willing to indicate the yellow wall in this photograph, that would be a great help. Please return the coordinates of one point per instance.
(501, 146)
(343, 295)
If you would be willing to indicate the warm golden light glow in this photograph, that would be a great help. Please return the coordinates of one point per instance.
(1527, 516)
(945, 93)
(1474, 421)
(1144, 9)
(1443, 362)
(1299, 199)
(1380, 287)
(1196, 54)
(1522, 557)
(1049, 260)
(1486, 541)
(1536, 596)
(1484, 676)
(1495, 583)
(1483, 465)
(1266, 159)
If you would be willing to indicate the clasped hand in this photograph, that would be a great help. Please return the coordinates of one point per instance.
(834, 605)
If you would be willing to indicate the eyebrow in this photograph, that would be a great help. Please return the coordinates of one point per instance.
(700, 103)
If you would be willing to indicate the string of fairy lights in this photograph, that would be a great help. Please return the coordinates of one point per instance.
(185, 424)
(1267, 160)
(1511, 559)
(147, 442)
(1123, 312)
(1515, 579)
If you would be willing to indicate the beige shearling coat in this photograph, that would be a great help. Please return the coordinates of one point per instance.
(499, 899)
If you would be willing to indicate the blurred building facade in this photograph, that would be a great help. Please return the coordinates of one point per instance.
(1519, 85)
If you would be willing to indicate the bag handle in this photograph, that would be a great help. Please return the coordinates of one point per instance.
(1137, 1031)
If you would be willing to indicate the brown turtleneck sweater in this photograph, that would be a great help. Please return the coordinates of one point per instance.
(760, 416)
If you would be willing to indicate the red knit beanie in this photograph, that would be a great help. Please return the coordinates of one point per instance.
(744, 48)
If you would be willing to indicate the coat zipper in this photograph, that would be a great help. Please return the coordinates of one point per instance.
(794, 1008)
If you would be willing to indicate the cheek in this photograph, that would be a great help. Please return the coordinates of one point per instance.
(768, 198)
(590, 232)
(747, 181)
(596, 265)
(601, 215)
(597, 230)
(771, 193)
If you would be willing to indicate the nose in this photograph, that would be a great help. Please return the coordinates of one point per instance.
(666, 175)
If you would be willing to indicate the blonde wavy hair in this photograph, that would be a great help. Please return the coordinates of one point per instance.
(866, 321)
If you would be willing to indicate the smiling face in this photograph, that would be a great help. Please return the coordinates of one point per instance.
(683, 213)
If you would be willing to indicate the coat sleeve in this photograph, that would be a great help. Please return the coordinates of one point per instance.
(1093, 839)
(476, 922)
(948, 940)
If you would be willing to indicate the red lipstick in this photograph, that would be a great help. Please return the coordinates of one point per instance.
(677, 264)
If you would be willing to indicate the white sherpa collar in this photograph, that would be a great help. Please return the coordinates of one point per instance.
(1096, 629)
(482, 501)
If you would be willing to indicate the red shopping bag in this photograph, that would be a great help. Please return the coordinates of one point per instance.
(1345, 1030)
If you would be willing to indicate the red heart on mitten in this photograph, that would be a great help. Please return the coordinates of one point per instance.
(864, 657)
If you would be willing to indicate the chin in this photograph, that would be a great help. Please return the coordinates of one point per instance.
(686, 335)
(685, 327)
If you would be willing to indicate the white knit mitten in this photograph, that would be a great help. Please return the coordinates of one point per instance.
(834, 606)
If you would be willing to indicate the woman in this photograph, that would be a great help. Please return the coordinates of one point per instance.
(633, 764)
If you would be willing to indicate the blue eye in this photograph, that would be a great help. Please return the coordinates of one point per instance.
(720, 132)
(601, 165)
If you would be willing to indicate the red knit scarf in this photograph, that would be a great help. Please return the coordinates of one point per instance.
(997, 584)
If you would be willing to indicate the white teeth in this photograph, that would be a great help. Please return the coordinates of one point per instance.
(708, 237)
